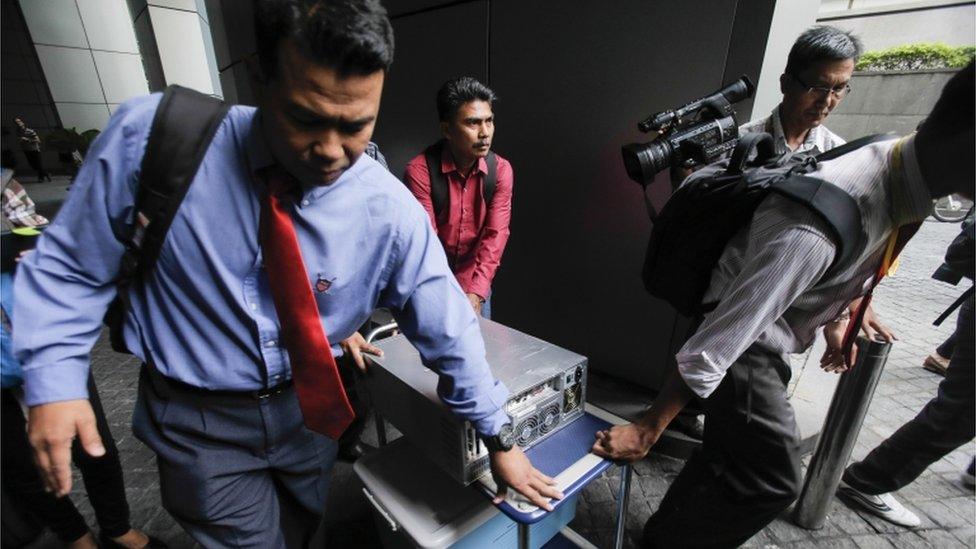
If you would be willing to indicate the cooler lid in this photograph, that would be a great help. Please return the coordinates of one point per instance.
(431, 507)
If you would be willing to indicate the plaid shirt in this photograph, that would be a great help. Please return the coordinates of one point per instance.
(18, 208)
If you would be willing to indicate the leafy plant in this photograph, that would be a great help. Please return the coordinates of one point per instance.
(917, 56)
(68, 140)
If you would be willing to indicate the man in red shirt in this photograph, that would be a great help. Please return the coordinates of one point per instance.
(470, 199)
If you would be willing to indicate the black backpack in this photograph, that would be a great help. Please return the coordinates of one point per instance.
(182, 129)
(438, 181)
(697, 222)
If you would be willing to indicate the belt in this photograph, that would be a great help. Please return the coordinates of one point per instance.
(166, 386)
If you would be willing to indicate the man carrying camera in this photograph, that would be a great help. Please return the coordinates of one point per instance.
(772, 297)
(817, 78)
(465, 188)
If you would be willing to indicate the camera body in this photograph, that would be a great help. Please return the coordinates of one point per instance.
(699, 132)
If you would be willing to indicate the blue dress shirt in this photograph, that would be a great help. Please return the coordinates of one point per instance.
(205, 315)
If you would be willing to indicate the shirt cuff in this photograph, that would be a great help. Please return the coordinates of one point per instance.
(491, 425)
(55, 383)
(478, 287)
(699, 372)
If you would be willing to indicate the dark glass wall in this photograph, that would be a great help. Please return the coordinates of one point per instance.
(573, 79)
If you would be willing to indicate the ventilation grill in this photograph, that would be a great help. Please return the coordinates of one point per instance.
(550, 418)
(525, 432)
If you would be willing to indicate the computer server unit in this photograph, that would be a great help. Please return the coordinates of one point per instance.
(547, 385)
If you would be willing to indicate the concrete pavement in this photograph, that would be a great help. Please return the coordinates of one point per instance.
(908, 302)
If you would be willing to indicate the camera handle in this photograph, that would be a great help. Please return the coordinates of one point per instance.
(762, 143)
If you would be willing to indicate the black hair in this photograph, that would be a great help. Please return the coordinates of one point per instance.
(822, 43)
(350, 36)
(954, 112)
(458, 91)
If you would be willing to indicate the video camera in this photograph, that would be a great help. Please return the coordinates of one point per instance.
(699, 132)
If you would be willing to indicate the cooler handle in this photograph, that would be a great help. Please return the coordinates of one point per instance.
(379, 509)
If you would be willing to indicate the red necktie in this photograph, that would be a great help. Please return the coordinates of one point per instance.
(321, 395)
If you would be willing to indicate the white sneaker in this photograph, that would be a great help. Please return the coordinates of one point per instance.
(883, 505)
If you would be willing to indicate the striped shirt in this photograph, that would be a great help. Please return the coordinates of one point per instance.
(768, 281)
(819, 139)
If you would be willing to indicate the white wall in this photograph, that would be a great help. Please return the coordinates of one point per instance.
(176, 35)
(790, 18)
(954, 25)
(89, 55)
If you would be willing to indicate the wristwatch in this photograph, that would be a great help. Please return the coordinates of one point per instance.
(502, 442)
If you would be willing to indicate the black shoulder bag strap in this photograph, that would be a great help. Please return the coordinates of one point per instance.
(491, 180)
(762, 143)
(182, 129)
(439, 194)
(438, 181)
(854, 145)
(833, 205)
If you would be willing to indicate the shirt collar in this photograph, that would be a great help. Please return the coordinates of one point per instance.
(812, 143)
(259, 157)
(911, 201)
(448, 165)
(256, 148)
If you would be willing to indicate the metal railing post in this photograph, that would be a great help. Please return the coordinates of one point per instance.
(844, 418)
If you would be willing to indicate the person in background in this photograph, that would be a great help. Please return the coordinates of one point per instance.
(104, 482)
(947, 422)
(773, 297)
(466, 188)
(30, 143)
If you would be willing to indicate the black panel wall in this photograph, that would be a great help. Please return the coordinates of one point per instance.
(573, 79)
(574, 83)
(432, 46)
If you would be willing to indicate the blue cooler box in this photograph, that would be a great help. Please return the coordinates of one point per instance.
(415, 504)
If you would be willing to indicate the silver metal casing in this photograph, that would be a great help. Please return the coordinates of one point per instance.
(547, 385)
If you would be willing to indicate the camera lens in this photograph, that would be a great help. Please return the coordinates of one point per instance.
(643, 160)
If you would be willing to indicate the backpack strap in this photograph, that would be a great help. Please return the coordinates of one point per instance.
(439, 195)
(955, 305)
(833, 205)
(760, 142)
(854, 145)
(491, 180)
(182, 129)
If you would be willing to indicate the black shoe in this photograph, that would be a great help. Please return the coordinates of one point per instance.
(351, 452)
(109, 543)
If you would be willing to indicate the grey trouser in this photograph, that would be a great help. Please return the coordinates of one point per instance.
(235, 471)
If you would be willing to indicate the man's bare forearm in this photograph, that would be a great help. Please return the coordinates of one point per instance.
(673, 397)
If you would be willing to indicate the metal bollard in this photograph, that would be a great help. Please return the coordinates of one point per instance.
(844, 418)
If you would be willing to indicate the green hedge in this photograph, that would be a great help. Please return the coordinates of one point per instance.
(917, 56)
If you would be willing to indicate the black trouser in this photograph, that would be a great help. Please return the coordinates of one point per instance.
(944, 424)
(34, 159)
(747, 470)
(102, 476)
(948, 346)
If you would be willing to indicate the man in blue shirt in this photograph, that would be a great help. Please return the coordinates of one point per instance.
(216, 402)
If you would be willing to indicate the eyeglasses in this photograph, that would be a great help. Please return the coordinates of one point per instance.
(837, 91)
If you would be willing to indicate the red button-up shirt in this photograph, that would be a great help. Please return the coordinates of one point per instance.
(473, 233)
